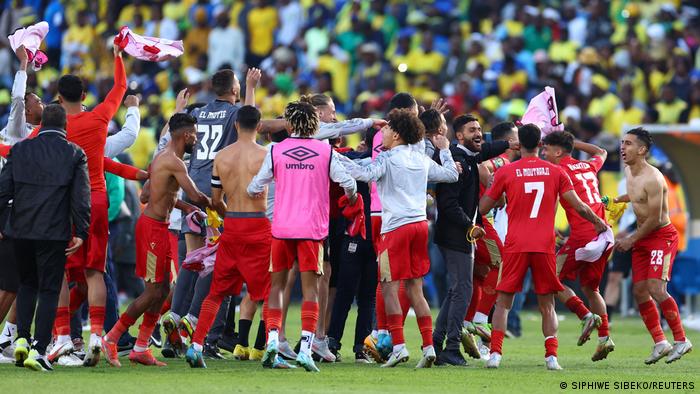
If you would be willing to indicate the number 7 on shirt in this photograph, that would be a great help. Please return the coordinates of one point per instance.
(538, 188)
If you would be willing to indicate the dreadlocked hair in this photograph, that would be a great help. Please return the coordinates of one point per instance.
(302, 118)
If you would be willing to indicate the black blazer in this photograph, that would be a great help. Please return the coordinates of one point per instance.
(47, 179)
(458, 202)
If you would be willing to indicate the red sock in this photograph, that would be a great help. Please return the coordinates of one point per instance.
(651, 319)
(670, 310)
(207, 314)
(62, 323)
(274, 319)
(488, 293)
(146, 329)
(125, 321)
(497, 341)
(97, 319)
(576, 305)
(473, 304)
(380, 311)
(396, 329)
(425, 325)
(165, 308)
(309, 316)
(77, 297)
(603, 330)
(404, 301)
(550, 346)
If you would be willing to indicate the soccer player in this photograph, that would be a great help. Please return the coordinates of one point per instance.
(557, 148)
(244, 247)
(536, 185)
(654, 246)
(88, 129)
(402, 174)
(302, 169)
(153, 251)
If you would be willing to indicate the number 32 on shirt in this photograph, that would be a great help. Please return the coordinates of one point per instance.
(210, 140)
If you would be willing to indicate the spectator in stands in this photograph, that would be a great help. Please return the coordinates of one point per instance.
(226, 46)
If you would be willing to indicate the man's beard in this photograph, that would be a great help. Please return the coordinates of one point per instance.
(189, 148)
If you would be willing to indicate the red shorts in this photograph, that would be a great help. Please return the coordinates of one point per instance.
(489, 248)
(172, 236)
(153, 251)
(93, 253)
(588, 273)
(653, 255)
(243, 256)
(376, 231)
(403, 253)
(542, 265)
(309, 253)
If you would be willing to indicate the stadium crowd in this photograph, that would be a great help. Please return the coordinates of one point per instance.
(612, 64)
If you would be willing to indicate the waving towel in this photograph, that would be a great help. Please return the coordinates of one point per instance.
(31, 37)
(542, 111)
(147, 48)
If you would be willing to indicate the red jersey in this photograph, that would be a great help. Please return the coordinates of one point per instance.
(584, 176)
(532, 187)
(89, 129)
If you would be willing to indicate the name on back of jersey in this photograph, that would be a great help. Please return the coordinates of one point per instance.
(579, 166)
(213, 115)
(536, 171)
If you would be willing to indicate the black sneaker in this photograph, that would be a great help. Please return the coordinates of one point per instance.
(334, 346)
(363, 358)
(211, 351)
(125, 347)
(451, 357)
(229, 342)
(168, 350)
(155, 339)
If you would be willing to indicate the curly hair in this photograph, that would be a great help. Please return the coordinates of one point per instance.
(406, 125)
(302, 117)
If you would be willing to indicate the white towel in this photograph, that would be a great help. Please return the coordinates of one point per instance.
(595, 249)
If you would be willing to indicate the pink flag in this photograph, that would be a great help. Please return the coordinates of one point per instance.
(147, 48)
(31, 37)
(542, 111)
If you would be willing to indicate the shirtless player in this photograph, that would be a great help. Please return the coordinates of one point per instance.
(244, 247)
(153, 252)
(654, 246)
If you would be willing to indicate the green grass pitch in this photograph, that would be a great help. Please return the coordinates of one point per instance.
(522, 369)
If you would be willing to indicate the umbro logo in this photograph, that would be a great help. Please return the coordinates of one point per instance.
(378, 148)
(300, 153)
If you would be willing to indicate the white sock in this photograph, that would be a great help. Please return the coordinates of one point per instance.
(480, 318)
(273, 335)
(62, 339)
(197, 347)
(602, 339)
(589, 314)
(306, 339)
(399, 347)
(426, 348)
(139, 349)
(8, 332)
(95, 340)
(374, 334)
(383, 332)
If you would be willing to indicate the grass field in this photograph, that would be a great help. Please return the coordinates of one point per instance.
(522, 369)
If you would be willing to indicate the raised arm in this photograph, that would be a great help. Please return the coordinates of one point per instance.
(491, 150)
(262, 178)
(592, 150)
(447, 172)
(126, 137)
(217, 193)
(110, 105)
(17, 121)
(251, 82)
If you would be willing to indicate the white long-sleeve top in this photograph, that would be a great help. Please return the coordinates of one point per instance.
(121, 141)
(339, 129)
(17, 127)
(402, 174)
(338, 174)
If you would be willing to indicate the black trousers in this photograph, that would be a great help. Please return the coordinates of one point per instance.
(9, 279)
(357, 280)
(40, 266)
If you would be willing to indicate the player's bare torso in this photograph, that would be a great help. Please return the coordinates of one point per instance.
(637, 190)
(236, 165)
(163, 185)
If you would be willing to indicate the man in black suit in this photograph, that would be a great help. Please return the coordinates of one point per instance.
(457, 223)
(47, 180)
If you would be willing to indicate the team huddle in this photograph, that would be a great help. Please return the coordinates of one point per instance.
(299, 206)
